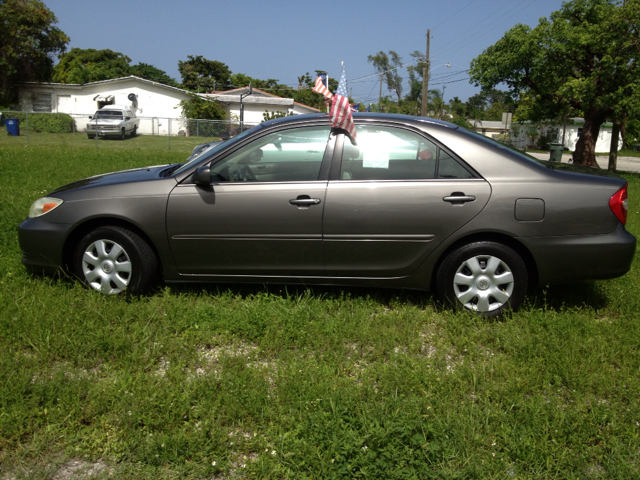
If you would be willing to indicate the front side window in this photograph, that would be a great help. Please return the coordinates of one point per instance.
(389, 153)
(293, 155)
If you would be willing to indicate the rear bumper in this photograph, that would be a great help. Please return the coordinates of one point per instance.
(42, 244)
(581, 257)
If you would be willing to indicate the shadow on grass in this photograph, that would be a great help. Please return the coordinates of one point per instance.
(572, 295)
(384, 296)
(557, 297)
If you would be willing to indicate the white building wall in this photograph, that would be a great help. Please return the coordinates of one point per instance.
(603, 143)
(155, 104)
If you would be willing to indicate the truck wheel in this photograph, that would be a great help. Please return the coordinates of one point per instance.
(91, 137)
(134, 132)
(122, 134)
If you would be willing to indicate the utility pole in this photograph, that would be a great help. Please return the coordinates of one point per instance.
(442, 106)
(425, 80)
(380, 97)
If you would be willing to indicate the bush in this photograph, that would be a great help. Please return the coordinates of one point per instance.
(43, 122)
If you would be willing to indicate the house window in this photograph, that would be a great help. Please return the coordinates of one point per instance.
(41, 102)
(579, 131)
(103, 100)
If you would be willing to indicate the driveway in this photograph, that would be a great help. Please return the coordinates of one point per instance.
(625, 164)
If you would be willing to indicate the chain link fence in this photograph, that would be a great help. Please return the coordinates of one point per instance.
(149, 132)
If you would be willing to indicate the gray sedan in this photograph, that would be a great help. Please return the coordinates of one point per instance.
(416, 203)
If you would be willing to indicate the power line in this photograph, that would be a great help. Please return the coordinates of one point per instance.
(451, 81)
(446, 20)
(470, 33)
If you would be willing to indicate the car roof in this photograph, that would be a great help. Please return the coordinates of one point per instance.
(362, 116)
(115, 107)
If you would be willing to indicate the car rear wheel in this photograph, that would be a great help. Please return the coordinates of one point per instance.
(112, 260)
(134, 132)
(484, 277)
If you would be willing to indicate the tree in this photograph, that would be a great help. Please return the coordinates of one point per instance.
(436, 103)
(149, 72)
(198, 107)
(389, 67)
(28, 41)
(90, 65)
(202, 75)
(415, 76)
(584, 57)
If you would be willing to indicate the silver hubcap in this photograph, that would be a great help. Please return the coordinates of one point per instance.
(106, 266)
(483, 283)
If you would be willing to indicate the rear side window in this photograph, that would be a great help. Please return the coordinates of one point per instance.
(390, 153)
(448, 167)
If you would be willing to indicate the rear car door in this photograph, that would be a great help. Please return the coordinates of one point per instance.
(392, 199)
(262, 214)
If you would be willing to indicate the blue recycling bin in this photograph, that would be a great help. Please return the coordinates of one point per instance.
(13, 126)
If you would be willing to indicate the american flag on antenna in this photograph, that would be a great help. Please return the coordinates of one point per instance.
(321, 87)
(341, 110)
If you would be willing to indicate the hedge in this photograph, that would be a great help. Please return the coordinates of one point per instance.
(42, 122)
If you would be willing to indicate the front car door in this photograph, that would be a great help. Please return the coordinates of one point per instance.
(392, 199)
(262, 215)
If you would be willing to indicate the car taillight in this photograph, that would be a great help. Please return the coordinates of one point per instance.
(618, 204)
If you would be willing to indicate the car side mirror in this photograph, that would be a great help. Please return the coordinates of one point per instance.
(202, 176)
(127, 118)
(90, 117)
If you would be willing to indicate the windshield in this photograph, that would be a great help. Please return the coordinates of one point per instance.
(109, 114)
(216, 147)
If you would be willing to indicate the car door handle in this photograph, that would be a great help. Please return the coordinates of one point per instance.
(304, 201)
(459, 198)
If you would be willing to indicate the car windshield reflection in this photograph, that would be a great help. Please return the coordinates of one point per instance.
(216, 147)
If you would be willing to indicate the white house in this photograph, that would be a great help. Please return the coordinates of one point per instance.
(574, 126)
(489, 128)
(257, 103)
(157, 105)
(519, 133)
(153, 102)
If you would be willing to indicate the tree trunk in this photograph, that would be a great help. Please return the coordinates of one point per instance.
(585, 153)
(613, 151)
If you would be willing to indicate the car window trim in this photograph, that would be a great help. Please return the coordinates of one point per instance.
(337, 157)
(324, 165)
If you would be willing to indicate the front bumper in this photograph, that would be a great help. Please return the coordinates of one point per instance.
(42, 244)
(574, 258)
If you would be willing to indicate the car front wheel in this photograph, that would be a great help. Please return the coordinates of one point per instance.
(112, 260)
(484, 277)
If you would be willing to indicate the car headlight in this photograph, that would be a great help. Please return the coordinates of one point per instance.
(43, 205)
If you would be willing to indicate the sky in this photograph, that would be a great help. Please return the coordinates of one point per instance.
(284, 39)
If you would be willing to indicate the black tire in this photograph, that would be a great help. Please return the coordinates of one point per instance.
(486, 277)
(121, 260)
(122, 134)
(134, 132)
(91, 137)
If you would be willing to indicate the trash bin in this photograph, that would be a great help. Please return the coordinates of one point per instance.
(556, 150)
(13, 126)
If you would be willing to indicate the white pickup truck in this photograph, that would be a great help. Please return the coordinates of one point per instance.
(113, 121)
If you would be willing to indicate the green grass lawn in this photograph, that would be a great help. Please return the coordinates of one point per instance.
(80, 140)
(282, 382)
